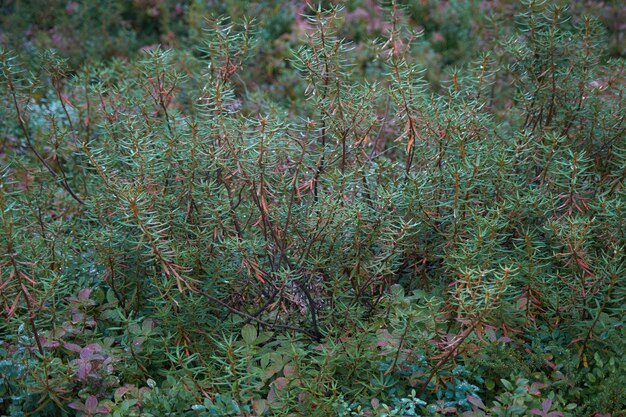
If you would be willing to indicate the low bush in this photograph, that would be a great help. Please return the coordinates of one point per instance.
(187, 233)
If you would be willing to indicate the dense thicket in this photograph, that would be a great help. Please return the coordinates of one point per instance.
(410, 210)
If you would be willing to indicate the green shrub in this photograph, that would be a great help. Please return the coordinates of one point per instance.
(185, 232)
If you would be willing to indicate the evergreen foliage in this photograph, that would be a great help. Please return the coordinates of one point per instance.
(385, 222)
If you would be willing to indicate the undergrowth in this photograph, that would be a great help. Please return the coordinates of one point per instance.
(215, 230)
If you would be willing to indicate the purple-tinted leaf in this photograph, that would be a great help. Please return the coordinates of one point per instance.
(76, 406)
(89, 356)
(119, 393)
(555, 414)
(536, 411)
(67, 327)
(84, 294)
(271, 396)
(90, 352)
(535, 388)
(49, 343)
(84, 368)
(107, 364)
(546, 405)
(302, 397)
(91, 404)
(93, 347)
(73, 347)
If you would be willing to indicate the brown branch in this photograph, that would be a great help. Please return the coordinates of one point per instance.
(254, 319)
(22, 123)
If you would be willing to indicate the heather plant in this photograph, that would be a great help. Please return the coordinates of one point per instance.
(180, 238)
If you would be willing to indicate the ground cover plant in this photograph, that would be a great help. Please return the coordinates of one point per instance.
(336, 209)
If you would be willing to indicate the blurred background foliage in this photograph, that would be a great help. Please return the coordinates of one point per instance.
(455, 31)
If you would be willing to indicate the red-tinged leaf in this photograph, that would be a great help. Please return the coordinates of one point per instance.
(13, 307)
(260, 406)
(475, 401)
(584, 266)
(479, 333)
(535, 388)
(563, 205)
(103, 409)
(409, 143)
(280, 383)
(582, 200)
(119, 393)
(271, 396)
(289, 370)
(27, 278)
(66, 100)
(86, 120)
(440, 356)
(577, 207)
